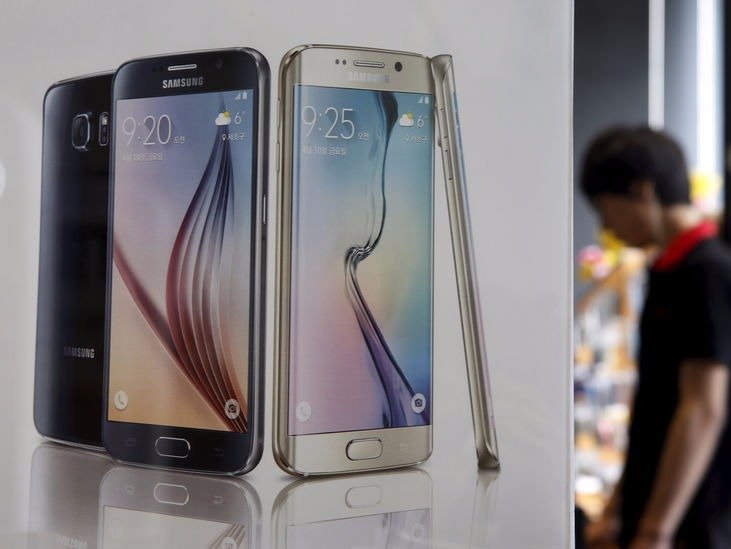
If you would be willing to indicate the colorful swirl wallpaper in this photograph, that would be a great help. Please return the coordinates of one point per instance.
(182, 247)
(361, 326)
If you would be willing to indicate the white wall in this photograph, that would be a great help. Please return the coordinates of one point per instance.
(513, 63)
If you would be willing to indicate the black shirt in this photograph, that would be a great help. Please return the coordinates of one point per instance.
(687, 315)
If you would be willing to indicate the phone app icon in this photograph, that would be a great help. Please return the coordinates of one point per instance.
(406, 120)
(232, 408)
(418, 403)
(223, 119)
(303, 411)
(120, 400)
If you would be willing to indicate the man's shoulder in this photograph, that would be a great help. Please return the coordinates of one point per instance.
(710, 258)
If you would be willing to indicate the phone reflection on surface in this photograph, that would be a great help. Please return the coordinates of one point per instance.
(154, 508)
(483, 507)
(391, 510)
(64, 496)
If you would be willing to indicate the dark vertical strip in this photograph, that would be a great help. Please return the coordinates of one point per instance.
(726, 106)
(611, 86)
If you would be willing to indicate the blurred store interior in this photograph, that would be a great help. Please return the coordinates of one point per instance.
(637, 62)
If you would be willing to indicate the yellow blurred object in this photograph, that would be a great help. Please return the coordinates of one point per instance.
(706, 192)
(591, 504)
(586, 442)
(597, 261)
(586, 272)
(610, 242)
(704, 185)
(584, 354)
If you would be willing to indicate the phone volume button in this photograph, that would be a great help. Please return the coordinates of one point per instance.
(448, 161)
(442, 121)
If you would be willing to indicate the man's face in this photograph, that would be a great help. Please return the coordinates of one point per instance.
(632, 218)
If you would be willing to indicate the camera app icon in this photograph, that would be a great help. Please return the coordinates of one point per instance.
(228, 543)
(418, 403)
(232, 408)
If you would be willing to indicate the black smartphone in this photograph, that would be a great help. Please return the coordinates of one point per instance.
(67, 402)
(151, 508)
(186, 261)
(64, 496)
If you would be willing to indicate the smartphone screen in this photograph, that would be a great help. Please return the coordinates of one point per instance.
(361, 288)
(384, 530)
(181, 283)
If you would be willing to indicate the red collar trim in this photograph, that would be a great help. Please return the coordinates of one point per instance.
(683, 244)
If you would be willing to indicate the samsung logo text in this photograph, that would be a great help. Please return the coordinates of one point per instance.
(71, 543)
(357, 76)
(78, 352)
(182, 82)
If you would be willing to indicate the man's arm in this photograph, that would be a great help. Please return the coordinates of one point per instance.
(603, 532)
(689, 448)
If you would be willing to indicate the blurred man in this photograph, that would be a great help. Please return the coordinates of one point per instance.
(675, 490)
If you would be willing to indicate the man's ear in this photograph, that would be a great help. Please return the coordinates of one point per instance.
(643, 189)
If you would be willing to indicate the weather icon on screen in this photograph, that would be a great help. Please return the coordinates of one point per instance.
(407, 119)
(223, 118)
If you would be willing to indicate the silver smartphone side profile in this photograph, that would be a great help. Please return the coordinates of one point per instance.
(450, 142)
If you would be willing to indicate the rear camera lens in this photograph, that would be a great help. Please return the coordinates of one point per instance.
(80, 132)
(398, 66)
(219, 63)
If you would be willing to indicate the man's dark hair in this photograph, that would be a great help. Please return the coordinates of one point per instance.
(621, 156)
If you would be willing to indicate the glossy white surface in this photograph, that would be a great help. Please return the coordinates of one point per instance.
(513, 69)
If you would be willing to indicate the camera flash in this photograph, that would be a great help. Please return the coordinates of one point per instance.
(103, 129)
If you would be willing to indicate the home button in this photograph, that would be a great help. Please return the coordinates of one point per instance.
(365, 448)
(172, 447)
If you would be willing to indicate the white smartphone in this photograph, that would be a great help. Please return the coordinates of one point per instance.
(354, 341)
